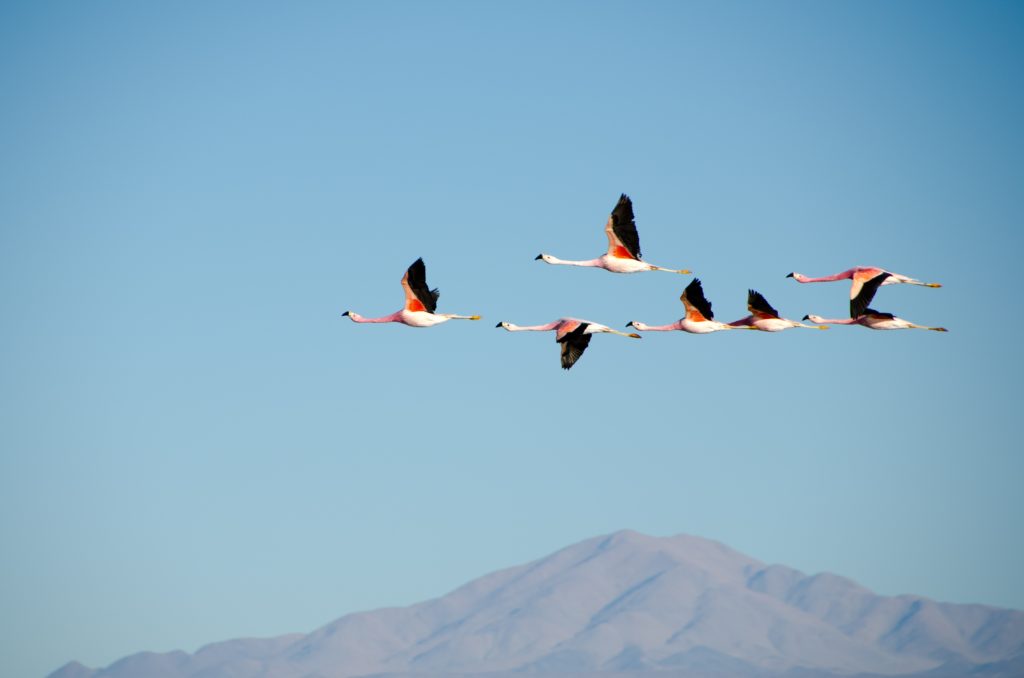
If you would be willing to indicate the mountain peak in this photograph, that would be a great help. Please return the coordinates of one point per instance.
(630, 602)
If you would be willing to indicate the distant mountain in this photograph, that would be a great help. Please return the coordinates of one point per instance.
(628, 605)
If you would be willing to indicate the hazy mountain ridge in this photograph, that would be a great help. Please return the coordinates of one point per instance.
(627, 603)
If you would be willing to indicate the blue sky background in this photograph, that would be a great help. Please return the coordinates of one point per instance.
(197, 446)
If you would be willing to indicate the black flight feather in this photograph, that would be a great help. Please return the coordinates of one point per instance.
(860, 303)
(418, 284)
(624, 226)
(757, 302)
(695, 294)
(573, 345)
(878, 314)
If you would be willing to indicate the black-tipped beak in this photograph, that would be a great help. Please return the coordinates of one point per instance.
(629, 324)
(498, 325)
(789, 275)
(539, 256)
(807, 317)
(345, 313)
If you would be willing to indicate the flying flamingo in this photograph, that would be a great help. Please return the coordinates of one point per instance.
(698, 319)
(860, 275)
(572, 334)
(870, 318)
(420, 302)
(623, 254)
(765, 318)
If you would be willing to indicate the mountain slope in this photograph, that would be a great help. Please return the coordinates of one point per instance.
(626, 603)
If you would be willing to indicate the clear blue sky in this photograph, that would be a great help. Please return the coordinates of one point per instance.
(195, 445)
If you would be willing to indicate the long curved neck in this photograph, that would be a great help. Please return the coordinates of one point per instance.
(394, 317)
(530, 328)
(589, 262)
(845, 275)
(658, 328)
(835, 321)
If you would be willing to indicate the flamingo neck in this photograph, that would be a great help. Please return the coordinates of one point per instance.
(835, 321)
(393, 318)
(845, 275)
(530, 328)
(598, 263)
(658, 328)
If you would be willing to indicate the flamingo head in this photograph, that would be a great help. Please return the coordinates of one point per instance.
(799, 277)
(814, 318)
(502, 324)
(546, 258)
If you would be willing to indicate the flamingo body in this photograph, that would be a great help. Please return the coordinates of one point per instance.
(623, 255)
(860, 275)
(572, 333)
(420, 303)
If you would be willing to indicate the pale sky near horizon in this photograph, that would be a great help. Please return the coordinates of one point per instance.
(196, 446)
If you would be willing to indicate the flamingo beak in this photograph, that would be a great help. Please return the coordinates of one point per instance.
(630, 324)
(807, 317)
(344, 314)
(498, 325)
(789, 275)
(539, 256)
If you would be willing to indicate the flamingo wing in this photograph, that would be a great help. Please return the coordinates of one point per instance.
(419, 297)
(759, 306)
(859, 276)
(698, 308)
(859, 304)
(574, 343)
(878, 315)
(623, 241)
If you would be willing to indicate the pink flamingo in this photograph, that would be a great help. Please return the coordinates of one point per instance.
(572, 334)
(623, 254)
(765, 318)
(420, 302)
(860, 275)
(698, 319)
(870, 318)
(874, 320)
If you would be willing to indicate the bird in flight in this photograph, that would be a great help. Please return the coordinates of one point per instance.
(420, 303)
(573, 335)
(699, 318)
(765, 318)
(860, 275)
(623, 255)
(868, 317)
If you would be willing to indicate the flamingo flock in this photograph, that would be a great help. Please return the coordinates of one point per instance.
(623, 256)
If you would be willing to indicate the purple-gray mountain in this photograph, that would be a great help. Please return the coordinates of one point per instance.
(628, 605)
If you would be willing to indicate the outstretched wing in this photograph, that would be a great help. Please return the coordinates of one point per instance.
(623, 241)
(573, 345)
(759, 306)
(859, 304)
(698, 308)
(419, 297)
(860, 275)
